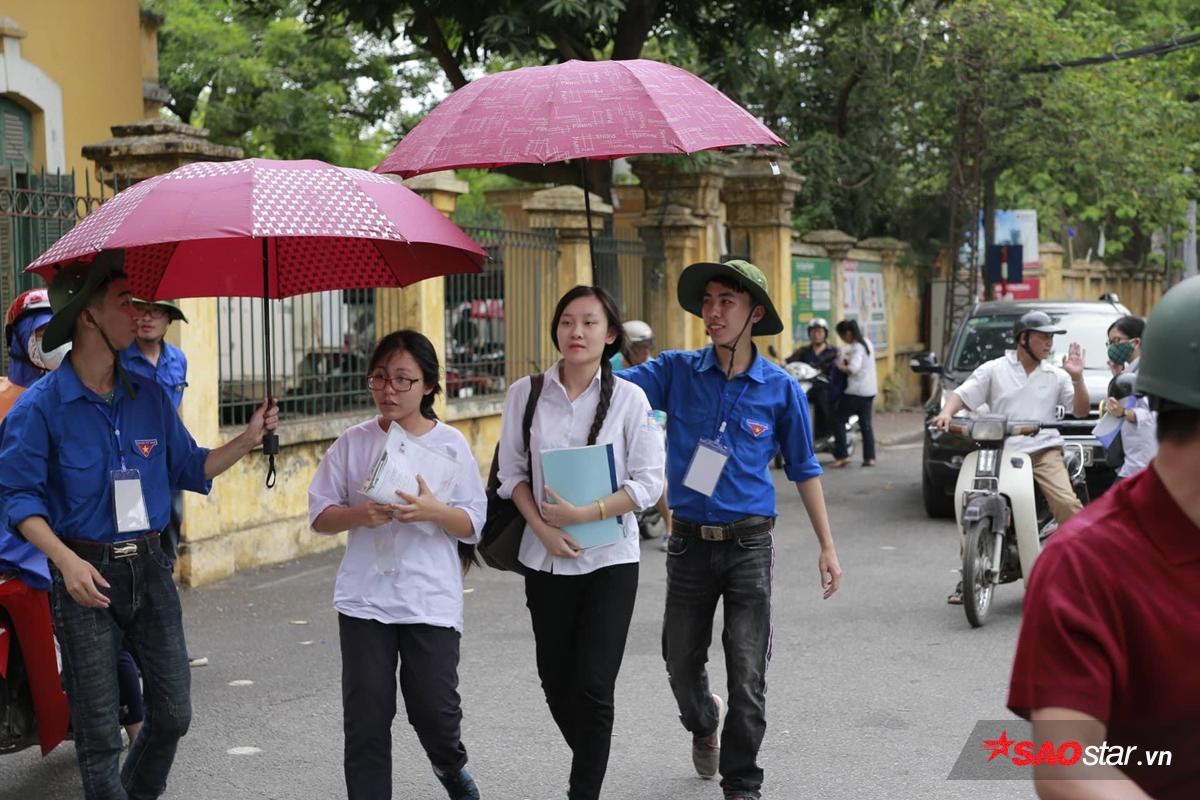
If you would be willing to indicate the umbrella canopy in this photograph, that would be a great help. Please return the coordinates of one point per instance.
(204, 229)
(574, 110)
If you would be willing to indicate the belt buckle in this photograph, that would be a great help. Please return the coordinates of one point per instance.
(125, 549)
(712, 533)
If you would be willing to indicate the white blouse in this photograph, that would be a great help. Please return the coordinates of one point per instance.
(398, 573)
(638, 453)
(862, 379)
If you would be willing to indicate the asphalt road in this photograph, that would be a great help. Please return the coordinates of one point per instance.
(872, 694)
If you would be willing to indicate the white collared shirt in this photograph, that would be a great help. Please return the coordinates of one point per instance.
(1004, 386)
(638, 455)
(1139, 438)
(398, 573)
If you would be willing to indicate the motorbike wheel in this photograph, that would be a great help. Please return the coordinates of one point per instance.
(977, 570)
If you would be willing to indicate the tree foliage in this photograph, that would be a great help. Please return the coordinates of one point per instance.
(253, 73)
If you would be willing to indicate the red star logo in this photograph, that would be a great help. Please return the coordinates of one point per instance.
(999, 747)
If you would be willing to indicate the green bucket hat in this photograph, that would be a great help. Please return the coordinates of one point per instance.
(71, 289)
(696, 277)
(169, 306)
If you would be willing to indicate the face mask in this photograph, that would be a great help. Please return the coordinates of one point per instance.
(1120, 352)
(43, 359)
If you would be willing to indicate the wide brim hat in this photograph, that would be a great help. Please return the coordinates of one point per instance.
(71, 289)
(169, 306)
(693, 280)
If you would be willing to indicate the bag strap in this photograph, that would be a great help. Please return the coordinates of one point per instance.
(535, 391)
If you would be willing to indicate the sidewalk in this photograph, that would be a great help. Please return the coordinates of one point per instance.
(894, 428)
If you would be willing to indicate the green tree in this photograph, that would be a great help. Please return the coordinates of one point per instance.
(253, 73)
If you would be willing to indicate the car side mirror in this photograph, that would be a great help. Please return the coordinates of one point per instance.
(925, 364)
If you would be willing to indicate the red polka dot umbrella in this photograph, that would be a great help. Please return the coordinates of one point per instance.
(270, 229)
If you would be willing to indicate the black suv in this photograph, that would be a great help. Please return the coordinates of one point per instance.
(985, 334)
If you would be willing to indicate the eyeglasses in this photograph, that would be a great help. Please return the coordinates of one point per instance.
(376, 383)
(154, 312)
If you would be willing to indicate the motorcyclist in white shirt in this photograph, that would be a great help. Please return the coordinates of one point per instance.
(1022, 384)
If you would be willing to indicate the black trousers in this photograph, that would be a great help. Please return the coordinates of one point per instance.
(428, 661)
(580, 623)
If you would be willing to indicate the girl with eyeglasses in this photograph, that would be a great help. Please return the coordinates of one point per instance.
(399, 591)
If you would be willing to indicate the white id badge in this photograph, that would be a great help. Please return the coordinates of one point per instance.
(707, 464)
(129, 504)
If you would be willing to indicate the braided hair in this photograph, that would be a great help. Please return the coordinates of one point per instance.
(618, 344)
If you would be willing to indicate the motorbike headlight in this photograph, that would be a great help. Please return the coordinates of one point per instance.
(988, 430)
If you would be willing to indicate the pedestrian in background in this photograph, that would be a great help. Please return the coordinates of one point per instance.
(581, 600)
(857, 361)
(399, 591)
(1135, 443)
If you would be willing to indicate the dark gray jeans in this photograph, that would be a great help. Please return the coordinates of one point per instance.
(699, 574)
(144, 611)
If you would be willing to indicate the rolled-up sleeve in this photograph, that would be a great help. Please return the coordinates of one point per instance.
(328, 486)
(794, 436)
(645, 452)
(512, 456)
(468, 494)
(974, 390)
(24, 443)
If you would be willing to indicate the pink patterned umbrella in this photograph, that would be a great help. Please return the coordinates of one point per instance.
(262, 228)
(575, 110)
(270, 229)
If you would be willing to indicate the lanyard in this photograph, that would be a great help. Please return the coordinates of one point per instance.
(725, 417)
(112, 423)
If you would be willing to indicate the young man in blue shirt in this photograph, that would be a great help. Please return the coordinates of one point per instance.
(728, 412)
(89, 456)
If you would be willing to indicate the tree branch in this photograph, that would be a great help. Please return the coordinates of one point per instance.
(633, 27)
(435, 42)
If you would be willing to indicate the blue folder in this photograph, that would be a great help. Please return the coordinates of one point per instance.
(583, 475)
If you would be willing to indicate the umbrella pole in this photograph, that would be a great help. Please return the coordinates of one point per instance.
(270, 441)
(587, 207)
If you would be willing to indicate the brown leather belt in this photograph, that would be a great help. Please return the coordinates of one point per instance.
(746, 526)
(113, 551)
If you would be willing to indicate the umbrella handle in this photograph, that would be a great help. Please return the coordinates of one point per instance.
(270, 447)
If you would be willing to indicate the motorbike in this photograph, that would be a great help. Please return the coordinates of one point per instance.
(814, 383)
(1003, 519)
(33, 706)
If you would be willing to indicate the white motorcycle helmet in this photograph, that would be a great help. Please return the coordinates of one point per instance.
(819, 322)
(637, 331)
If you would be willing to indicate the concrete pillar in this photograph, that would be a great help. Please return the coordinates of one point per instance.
(681, 224)
(1050, 254)
(759, 204)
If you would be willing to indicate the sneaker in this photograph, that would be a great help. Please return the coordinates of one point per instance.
(955, 597)
(459, 785)
(742, 796)
(706, 750)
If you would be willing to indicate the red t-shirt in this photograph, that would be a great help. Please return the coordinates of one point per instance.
(1111, 628)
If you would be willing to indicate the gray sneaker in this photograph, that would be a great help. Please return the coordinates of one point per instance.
(706, 750)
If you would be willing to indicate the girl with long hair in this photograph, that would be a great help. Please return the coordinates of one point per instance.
(581, 600)
(862, 384)
(399, 591)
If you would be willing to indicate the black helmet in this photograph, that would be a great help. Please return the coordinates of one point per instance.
(1035, 321)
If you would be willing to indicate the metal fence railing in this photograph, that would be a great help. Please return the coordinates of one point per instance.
(623, 262)
(36, 208)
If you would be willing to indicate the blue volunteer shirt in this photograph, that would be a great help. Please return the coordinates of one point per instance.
(765, 411)
(58, 445)
(170, 372)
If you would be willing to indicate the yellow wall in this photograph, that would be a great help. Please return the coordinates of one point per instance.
(93, 50)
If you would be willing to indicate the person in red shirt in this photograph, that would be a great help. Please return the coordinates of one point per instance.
(1109, 650)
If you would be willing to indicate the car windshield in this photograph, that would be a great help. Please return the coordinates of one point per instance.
(987, 336)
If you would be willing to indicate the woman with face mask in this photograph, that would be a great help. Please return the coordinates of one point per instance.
(1136, 443)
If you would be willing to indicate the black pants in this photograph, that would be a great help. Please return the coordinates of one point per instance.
(847, 406)
(428, 659)
(580, 623)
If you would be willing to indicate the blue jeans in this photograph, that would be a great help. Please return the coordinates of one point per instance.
(144, 610)
(699, 573)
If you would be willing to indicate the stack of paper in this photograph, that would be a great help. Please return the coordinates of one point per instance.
(581, 476)
(398, 465)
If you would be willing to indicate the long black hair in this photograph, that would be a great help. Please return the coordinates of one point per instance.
(849, 327)
(618, 344)
(417, 345)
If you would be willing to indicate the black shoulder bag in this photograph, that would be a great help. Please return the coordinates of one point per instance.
(505, 525)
